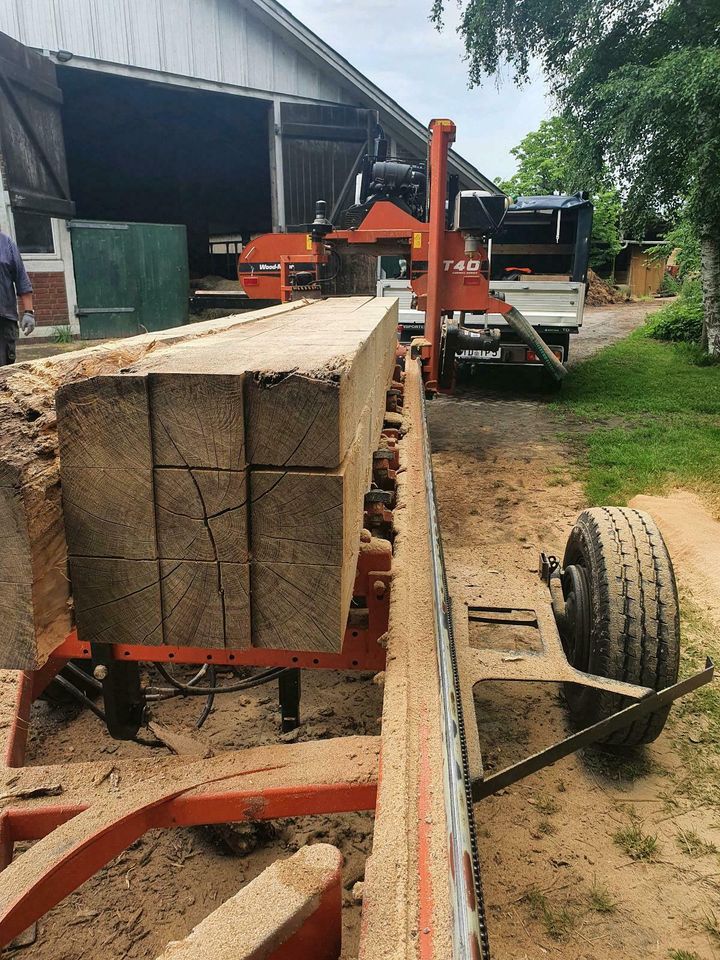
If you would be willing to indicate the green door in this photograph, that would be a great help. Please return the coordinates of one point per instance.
(129, 277)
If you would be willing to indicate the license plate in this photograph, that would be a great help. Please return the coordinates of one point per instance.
(479, 355)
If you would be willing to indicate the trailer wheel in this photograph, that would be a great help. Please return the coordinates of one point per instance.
(621, 615)
(549, 384)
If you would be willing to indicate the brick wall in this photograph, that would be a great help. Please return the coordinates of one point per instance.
(49, 299)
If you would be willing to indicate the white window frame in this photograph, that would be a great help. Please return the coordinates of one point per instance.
(46, 257)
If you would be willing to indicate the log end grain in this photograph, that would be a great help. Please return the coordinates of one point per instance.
(197, 421)
(117, 601)
(205, 604)
(297, 606)
(201, 515)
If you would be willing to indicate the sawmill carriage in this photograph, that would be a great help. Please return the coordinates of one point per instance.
(258, 496)
(537, 251)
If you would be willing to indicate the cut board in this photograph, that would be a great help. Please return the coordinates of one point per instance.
(157, 462)
(305, 543)
(35, 604)
(306, 376)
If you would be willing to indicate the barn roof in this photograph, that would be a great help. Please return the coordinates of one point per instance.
(296, 33)
(255, 48)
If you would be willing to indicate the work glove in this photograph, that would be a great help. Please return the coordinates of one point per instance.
(27, 324)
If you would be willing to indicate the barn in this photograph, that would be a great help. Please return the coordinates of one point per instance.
(188, 127)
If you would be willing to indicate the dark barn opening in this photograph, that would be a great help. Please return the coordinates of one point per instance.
(145, 152)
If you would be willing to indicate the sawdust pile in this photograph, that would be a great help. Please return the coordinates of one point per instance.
(600, 292)
(212, 282)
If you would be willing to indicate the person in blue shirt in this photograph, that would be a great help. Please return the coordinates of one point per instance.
(15, 287)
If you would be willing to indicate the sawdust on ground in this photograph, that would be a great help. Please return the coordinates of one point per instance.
(557, 884)
(692, 534)
(167, 882)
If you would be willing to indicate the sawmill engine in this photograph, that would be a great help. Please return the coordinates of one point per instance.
(402, 182)
(399, 181)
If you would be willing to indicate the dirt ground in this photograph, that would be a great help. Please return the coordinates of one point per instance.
(170, 880)
(608, 324)
(556, 882)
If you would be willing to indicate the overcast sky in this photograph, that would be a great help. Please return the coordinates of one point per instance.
(394, 44)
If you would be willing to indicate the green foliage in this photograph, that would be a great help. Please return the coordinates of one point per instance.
(651, 419)
(640, 78)
(696, 354)
(601, 899)
(558, 921)
(681, 320)
(62, 334)
(637, 844)
(546, 161)
(550, 160)
(605, 242)
(670, 286)
(691, 843)
(627, 461)
(641, 377)
(684, 241)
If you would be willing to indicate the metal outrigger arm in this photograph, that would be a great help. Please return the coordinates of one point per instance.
(486, 786)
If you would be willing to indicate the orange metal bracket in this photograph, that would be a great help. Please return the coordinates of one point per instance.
(263, 783)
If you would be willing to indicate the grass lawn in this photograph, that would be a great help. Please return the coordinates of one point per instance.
(648, 417)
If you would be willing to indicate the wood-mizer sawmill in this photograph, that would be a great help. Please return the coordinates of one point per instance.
(253, 497)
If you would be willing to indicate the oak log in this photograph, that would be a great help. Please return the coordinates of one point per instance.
(35, 605)
(155, 466)
(305, 543)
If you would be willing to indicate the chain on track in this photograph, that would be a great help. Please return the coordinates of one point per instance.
(459, 718)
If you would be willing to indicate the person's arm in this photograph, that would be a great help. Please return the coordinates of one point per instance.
(23, 289)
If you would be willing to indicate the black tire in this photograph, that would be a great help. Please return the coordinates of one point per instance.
(634, 622)
(549, 384)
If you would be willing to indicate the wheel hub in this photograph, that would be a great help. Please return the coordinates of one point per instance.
(576, 623)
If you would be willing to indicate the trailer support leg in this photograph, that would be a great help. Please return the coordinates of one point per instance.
(122, 692)
(289, 692)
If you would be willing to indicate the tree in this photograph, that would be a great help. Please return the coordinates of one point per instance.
(549, 161)
(683, 241)
(545, 161)
(641, 78)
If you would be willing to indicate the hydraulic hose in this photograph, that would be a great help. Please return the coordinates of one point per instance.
(184, 689)
(532, 338)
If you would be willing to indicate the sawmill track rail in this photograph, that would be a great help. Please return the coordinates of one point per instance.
(470, 936)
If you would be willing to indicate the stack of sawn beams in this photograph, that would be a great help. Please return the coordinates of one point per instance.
(213, 492)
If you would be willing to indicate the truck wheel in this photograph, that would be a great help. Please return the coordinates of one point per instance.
(621, 615)
(549, 384)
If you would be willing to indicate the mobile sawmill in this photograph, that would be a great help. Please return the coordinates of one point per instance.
(203, 580)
